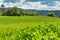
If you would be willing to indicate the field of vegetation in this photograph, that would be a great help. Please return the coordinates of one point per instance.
(29, 28)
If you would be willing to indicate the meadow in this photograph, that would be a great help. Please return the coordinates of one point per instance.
(29, 28)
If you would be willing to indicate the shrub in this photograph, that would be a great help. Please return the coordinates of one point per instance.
(52, 14)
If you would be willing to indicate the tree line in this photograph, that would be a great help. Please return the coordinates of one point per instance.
(15, 11)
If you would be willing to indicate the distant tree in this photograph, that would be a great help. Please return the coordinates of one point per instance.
(4, 13)
(52, 14)
(15, 11)
(11, 12)
(2, 5)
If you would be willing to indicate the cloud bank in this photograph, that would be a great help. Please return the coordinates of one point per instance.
(33, 4)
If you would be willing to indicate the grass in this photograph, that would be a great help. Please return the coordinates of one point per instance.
(24, 21)
(12, 24)
(27, 19)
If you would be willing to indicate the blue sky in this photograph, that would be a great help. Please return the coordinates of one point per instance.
(33, 4)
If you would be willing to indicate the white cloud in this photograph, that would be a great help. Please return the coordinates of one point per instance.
(32, 5)
(1, 1)
(56, 6)
(27, 5)
(22, 1)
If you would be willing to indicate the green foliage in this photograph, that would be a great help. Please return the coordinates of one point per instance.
(34, 33)
(17, 12)
(51, 14)
(29, 28)
(24, 13)
(11, 12)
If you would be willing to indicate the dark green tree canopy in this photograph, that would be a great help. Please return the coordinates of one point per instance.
(2, 5)
(15, 11)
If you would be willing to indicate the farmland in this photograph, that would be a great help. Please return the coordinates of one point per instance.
(29, 28)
